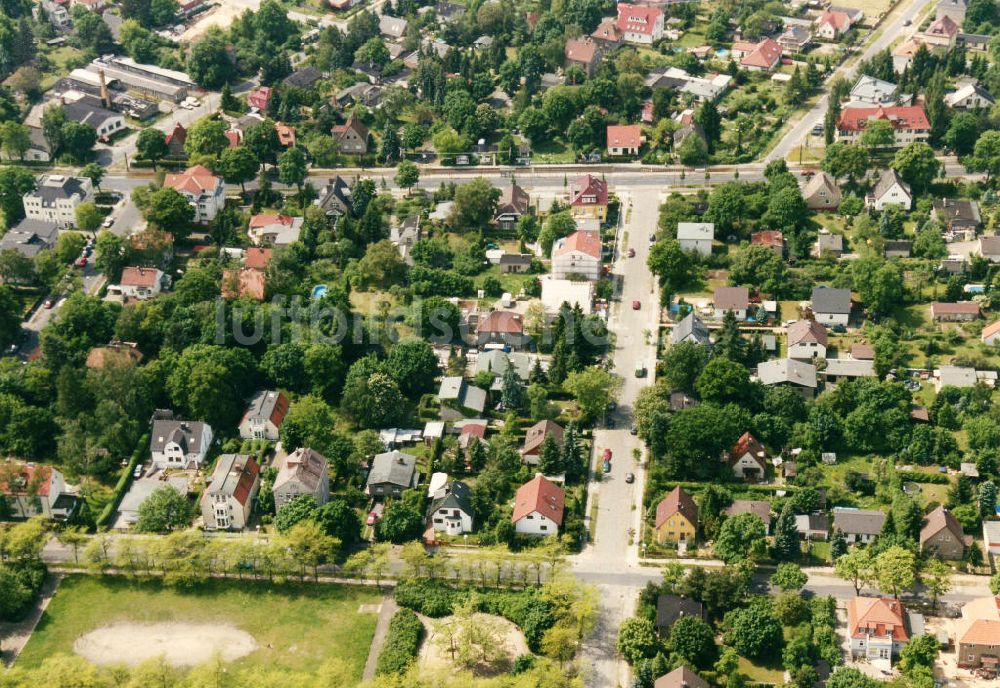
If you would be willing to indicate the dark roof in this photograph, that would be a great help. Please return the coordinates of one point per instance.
(57, 187)
(395, 468)
(898, 246)
(92, 115)
(454, 495)
(690, 326)
(681, 677)
(303, 78)
(187, 434)
(234, 476)
(335, 195)
(887, 180)
(516, 259)
(670, 608)
(829, 300)
(858, 521)
(938, 520)
(30, 237)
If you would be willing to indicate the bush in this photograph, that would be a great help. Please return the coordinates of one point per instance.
(921, 477)
(401, 643)
(532, 615)
(426, 597)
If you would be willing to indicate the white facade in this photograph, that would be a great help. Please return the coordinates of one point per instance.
(806, 351)
(696, 237)
(576, 263)
(140, 283)
(894, 195)
(451, 521)
(536, 523)
(747, 464)
(831, 319)
(56, 199)
(174, 454)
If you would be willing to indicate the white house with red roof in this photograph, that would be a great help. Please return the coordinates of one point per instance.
(538, 507)
(833, 24)
(140, 283)
(909, 123)
(577, 254)
(748, 458)
(588, 197)
(264, 415)
(764, 57)
(204, 191)
(878, 627)
(624, 139)
(274, 230)
(31, 490)
(640, 23)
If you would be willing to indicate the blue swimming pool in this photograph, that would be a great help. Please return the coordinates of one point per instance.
(319, 291)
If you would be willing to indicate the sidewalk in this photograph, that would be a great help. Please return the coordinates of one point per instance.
(14, 636)
(386, 611)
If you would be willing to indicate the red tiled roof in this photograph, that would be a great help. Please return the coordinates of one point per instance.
(748, 444)
(39, 478)
(537, 433)
(258, 221)
(838, 20)
(179, 133)
(942, 26)
(677, 501)
(581, 50)
(607, 30)
(247, 478)
(235, 138)
(768, 237)
(589, 186)
(257, 258)
(765, 55)
(876, 616)
(586, 241)
(806, 331)
(539, 495)
(286, 134)
(637, 18)
(249, 282)
(991, 329)
(901, 117)
(140, 277)
(260, 98)
(504, 322)
(624, 136)
(957, 308)
(194, 180)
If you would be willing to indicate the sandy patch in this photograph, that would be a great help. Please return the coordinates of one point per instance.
(434, 656)
(222, 16)
(181, 644)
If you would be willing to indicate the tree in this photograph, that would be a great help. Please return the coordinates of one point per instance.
(372, 401)
(388, 150)
(986, 155)
(15, 139)
(207, 137)
(917, 165)
(710, 120)
(310, 422)
(210, 382)
(789, 577)
(936, 575)
(838, 544)
(921, 651)
(110, 255)
(169, 210)
(301, 508)
(877, 134)
(682, 364)
(399, 523)
(238, 166)
(963, 133)
(671, 264)
(407, 175)
(164, 510)
(151, 145)
(636, 639)
(758, 265)
(77, 140)
(88, 217)
(475, 204)
(511, 390)
(413, 365)
(849, 677)
(209, 63)
(754, 631)
(895, 569)
(292, 168)
(10, 318)
(786, 536)
(550, 457)
(15, 181)
(593, 388)
(228, 101)
(741, 537)
(694, 640)
(340, 521)
(693, 151)
(987, 498)
(723, 381)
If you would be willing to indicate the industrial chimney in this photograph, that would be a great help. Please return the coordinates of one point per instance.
(105, 96)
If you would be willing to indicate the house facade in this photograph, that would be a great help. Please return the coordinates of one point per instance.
(639, 23)
(303, 472)
(588, 197)
(859, 526)
(676, 518)
(227, 502)
(624, 139)
(205, 192)
(831, 306)
(942, 535)
(56, 197)
(748, 458)
(696, 237)
(806, 340)
(391, 473)
(878, 627)
(451, 509)
(179, 443)
(352, 136)
(31, 489)
(578, 254)
(141, 283)
(909, 123)
(538, 507)
(264, 415)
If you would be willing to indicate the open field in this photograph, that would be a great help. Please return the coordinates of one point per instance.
(294, 627)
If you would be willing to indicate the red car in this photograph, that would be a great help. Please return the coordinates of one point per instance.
(81, 262)
(631, 253)
(607, 453)
(49, 303)
(636, 305)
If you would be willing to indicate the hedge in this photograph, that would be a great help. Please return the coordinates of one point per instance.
(123, 482)
(921, 477)
(426, 597)
(401, 643)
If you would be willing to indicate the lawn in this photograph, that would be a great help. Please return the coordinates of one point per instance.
(774, 676)
(296, 627)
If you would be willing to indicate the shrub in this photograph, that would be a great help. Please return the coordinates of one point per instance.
(426, 597)
(401, 643)
(532, 615)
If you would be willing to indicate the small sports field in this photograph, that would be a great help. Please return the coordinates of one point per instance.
(293, 627)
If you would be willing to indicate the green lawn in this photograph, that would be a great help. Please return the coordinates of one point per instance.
(297, 627)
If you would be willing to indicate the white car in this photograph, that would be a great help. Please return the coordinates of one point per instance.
(108, 221)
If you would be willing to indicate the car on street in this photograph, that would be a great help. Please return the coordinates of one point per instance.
(607, 466)
(907, 22)
(607, 453)
(808, 173)
(630, 478)
(631, 253)
(108, 221)
(633, 429)
(636, 305)
(652, 238)
(49, 302)
(81, 262)
(640, 370)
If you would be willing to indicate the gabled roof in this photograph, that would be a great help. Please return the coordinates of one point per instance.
(395, 468)
(942, 26)
(513, 199)
(731, 298)
(956, 308)
(787, 370)
(747, 444)
(677, 501)
(187, 434)
(234, 476)
(194, 180)
(539, 495)
(806, 331)
(831, 300)
(637, 18)
(868, 88)
(305, 466)
(178, 134)
(681, 677)
(690, 326)
(991, 329)
(583, 50)
(820, 182)
(454, 495)
(352, 124)
(140, 277)
(838, 20)
(27, 478)
(758, 508)
(938, 520)
(624, 136)
(967, 91)
(858, 521)
(765, 55)
(670, 608)
(268, 405)
(585, 241)
(882, 616)
(538, 432)
(887, 180)
(771, 238)
(502, 322)
(257, 258)
(900, 116)
(608, 31)
(587, 186)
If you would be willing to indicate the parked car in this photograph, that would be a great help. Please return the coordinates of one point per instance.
(631, 253)
(633, 429)
(607, 466)
(108, 221)
(652, 238)
(630, 478)
(49, 303)
(636, 305)
(81, 262)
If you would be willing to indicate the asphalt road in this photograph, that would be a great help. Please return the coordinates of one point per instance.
(894, 27)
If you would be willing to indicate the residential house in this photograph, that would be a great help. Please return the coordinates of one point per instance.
(30, 237)
(955, 376)
(788, 372)
(608, 34)
(758, 508)
(831, 306)
(538, 507)
(90, 111)
(878, 627)
(813, 526)
(404, 235)
(305, 472)
(897, 248)
(686, 131)
(828, 245)
(681, 677)
(228, 499)
(518, 263)
(690, 329)
(451, 510)
(140, 283)
(960, 311)
(859, 526)
(38, 148)
(274, 230)
(512, 204)
(696, 237)
(577, 254)
(583, 52)
(953, 9)
(960, 215)
(624, 139)
(842, 369)
(205, 192)
(748, 458)
(588, 197)
(862, 352)
(286, 134)
(832, 25)
(977, 633)
(536, 436)
(909, 123)
(676, 518)
(874, 91)
(556, 292)
(806, 340)
(175, 141)
(902, 56)
(56, 197)
(335, 197)
(57, 12)
(391, 473)
(501, 327)
(244, 282)
(496, 361)
(392, 27)
(991, 538)
(762, 57)
(794, 39)
(31, 489)
(772, 239)
(942, 535)
(989, 248)
(259, 98)
(821, 192)
(973, 42)
(970, 96)
(264, 415)
(890, 190)
(671, 608)
(449, 12)
(991, 333)
(942, 32)
(352, 136)
(179, 443)
(640, 23)
(458, 398)
(303, 78)
(734, 299)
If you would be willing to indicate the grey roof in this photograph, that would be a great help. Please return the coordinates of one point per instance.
(691, 326)
(758, 508)
(831, 242)
(858, 521)
(874, 90)
(262, 404)
(394, 468)
(806, 523)
(951, 209)
(695, 231)
(187, 434)
(898, 246)
(830, 300)
(454, 495)
(303, 78)
(92, 115)
(848, 367)
(231, 471)
(670, 608)
(57, 187)
(392, 26)
(787, 370)
(888, 179)
(335, 195)
(30, 237)
(466, 395)
(516, 259)
(957, 376)
(496, 362)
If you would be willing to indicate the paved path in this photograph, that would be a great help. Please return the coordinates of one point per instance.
(14, 636)
(385, 614)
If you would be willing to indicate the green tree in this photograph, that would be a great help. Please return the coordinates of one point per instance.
(593, 388)
(15, 139)
(238, 166)
(917, 165)
(88, 217)
(292, 168)
(877, 134)
(209, 63)
(15, 181)
(407, 175)
(475, 204)
(754, 631)
(151, 144)
(210, 382)
(164, 510)
(937, 579)
(511, 391)
(921, 651)
(789, 577)
(207, 137)
(671, 264)
(340, 520)
(986, 154)
(110, 255)
(636, 639)
(694, 640)
(399, 523)
(682, 364)
(895, 569)
(302, 508)
(169, 210)
(741, 537)
(723, 381)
